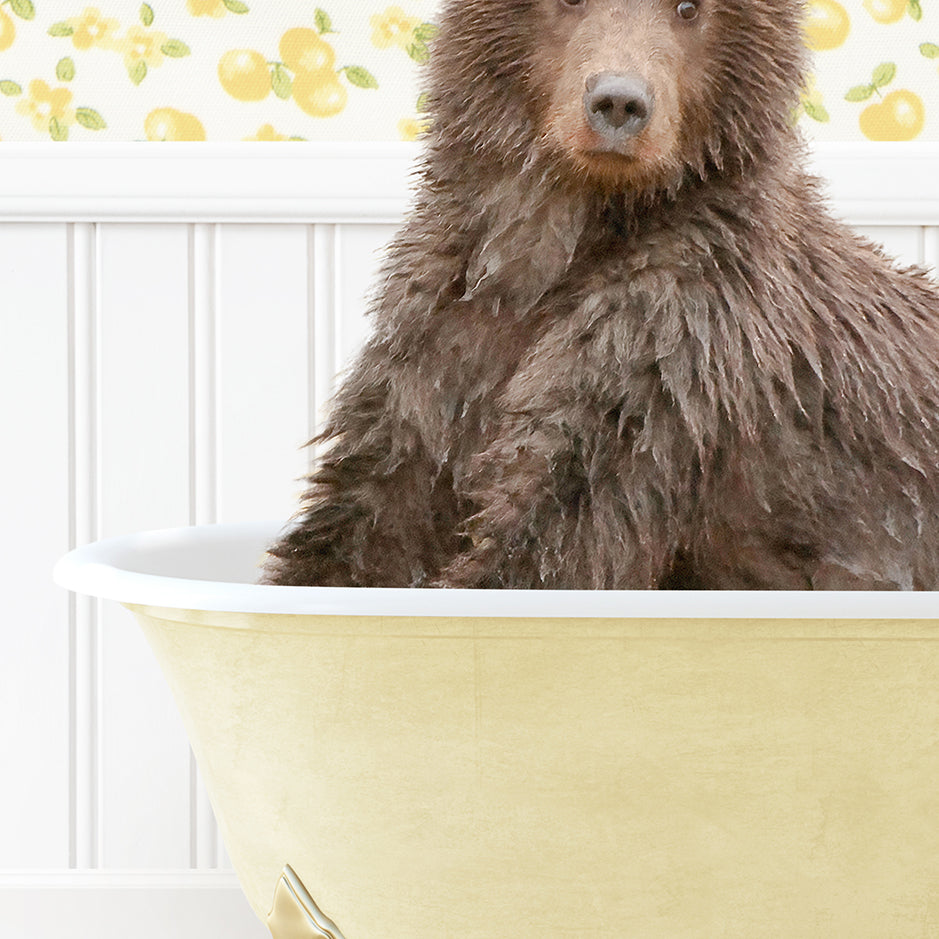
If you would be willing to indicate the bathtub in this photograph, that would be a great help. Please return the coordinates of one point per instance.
(478, 764)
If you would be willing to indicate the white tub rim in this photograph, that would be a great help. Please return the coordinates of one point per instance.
(127, 569)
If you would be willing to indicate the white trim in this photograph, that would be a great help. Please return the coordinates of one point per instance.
(324, 249)
(203, 373)
(119, 880)
(291, 182)
(84, 642)
(931, 245)
(883, 183)
(117, 904)
(879, 183)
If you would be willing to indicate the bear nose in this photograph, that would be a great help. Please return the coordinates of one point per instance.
(618, 105)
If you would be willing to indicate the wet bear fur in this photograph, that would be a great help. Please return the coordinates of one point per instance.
(628, 359)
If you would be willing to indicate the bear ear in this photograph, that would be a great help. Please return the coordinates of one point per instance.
(761, 63)
(476, 80)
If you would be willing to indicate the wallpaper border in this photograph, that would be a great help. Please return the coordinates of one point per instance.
(883, 183)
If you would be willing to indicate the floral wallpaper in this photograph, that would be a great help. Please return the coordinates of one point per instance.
(212, 69)
(876, 70)
(349, 69)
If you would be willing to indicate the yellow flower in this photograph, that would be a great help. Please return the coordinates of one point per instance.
(393, 28)
(214, 8)
(411, 128)
(142, 45)
(92, 29)
(267, 132)
(43, 104)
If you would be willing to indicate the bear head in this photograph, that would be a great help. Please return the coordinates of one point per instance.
(617, 94)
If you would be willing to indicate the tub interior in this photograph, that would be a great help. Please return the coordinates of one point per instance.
(221, 554)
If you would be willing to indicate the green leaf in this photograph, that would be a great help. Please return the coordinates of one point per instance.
(90, 119)
(915, 9)
(10, 89)
(423, 102)
(61, 29)
(281, 82)
(360, 77)
(425, 32)
(323, 23)
(146, 14)
(418, 49)
(25, 10)
(65, 70)
(883, 74)
(419, 52)
(175, 49)
(235, 6)
(137, 72)
(930, 50)
(859, 93)
(817, 112)
(58, 131)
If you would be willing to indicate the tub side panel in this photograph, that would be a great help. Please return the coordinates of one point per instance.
(576, 787)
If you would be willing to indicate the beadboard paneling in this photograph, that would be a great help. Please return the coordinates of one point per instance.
(174, 372)
(904, 242)
(261, 362)
(143, 482)
(34, 522)
(931, 248)
(359, 255)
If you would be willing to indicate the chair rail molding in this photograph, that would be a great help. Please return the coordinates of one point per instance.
(868, 183)
(196, 182)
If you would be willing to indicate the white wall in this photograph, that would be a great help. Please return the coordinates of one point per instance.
(170, 327)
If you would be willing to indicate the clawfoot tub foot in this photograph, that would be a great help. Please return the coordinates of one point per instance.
(294, 915)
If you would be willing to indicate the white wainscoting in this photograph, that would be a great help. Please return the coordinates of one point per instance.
(171, 322)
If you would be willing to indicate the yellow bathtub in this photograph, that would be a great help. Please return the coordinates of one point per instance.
(549, 765)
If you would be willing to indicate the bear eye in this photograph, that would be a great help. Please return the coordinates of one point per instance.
(573, 3)
(687, 9)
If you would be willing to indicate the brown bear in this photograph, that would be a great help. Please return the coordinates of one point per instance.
(619, 342)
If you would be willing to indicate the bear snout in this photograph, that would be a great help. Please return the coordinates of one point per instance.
(618, 105)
